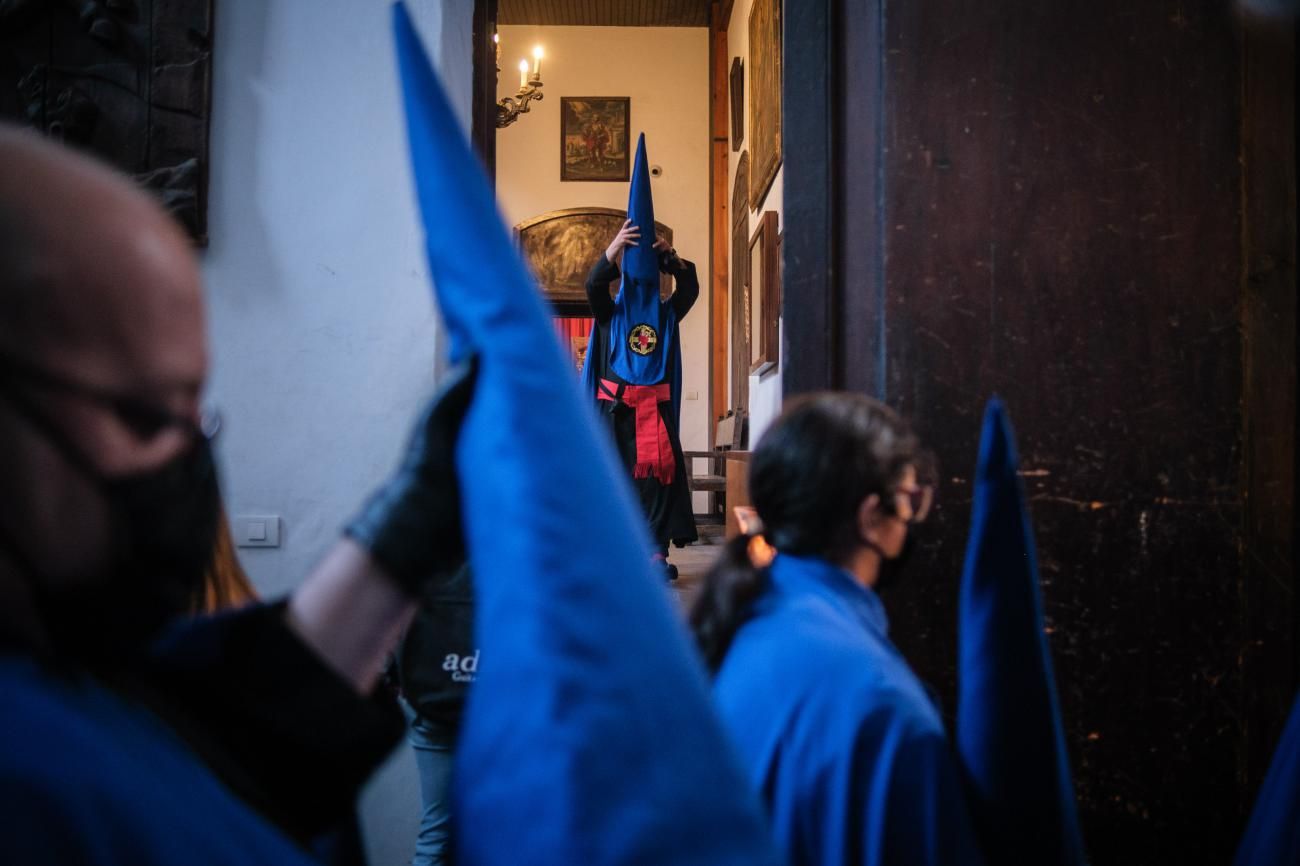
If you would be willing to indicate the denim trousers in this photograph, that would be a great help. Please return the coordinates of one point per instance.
(433, 760)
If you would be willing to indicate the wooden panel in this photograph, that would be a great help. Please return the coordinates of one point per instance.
(859, 238)
(128, 81)
(1089, 209)
(1269, 319)
(1062, 227)
(607, 13)
(719, 220)
(484, 125)
(810, 293)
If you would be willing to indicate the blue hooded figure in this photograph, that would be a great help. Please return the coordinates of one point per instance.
(634, 362)
(1272, 837)
(1009, 732)
(588, 737)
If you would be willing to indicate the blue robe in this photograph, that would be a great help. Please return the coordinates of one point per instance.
(92, 779)
(838, 735)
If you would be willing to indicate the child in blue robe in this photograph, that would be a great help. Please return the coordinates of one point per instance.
(840, 738)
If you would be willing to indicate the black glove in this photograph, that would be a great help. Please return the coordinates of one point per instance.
(670, 262)
(411, 525)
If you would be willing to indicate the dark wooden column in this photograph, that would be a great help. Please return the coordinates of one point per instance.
(1088, 209)
(484, 106)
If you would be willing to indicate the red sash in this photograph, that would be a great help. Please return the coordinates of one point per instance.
(654, 452)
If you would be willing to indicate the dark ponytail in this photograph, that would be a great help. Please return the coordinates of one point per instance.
(730, 588)
(818, 461)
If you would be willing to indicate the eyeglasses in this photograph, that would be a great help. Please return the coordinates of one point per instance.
(920, 498)
(145, 419)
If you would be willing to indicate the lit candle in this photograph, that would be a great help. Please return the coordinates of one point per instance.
(537, 62)
(523, 74)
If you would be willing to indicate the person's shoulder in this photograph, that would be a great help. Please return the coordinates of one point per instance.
(849, 670)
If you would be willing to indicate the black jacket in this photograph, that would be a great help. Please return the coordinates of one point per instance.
(437, 659)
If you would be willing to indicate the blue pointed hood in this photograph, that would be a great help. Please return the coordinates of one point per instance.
(1009, 731)
(589, 736)
(1272, 837)
(642, 262)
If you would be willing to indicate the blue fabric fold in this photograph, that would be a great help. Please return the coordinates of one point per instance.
(1009, 731)
(588, 737)
(1272, 837)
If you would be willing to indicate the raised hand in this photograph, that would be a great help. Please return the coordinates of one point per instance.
(628, 236)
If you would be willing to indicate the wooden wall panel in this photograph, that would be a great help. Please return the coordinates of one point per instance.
(1088, 209)
(1062, 227)
(719, 219)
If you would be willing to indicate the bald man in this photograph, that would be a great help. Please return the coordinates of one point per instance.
(123, 739)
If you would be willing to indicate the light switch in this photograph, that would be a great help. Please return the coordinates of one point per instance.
(256, 530)
(692, 395)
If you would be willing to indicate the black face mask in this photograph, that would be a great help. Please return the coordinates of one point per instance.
(891, 570)
(162, 526)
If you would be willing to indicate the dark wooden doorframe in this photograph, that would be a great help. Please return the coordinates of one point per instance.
(809, 302)
(834, 338)
(484, 122)
(840, 196)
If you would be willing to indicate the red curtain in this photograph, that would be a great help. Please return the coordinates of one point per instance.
(569, 327)
(572, 326)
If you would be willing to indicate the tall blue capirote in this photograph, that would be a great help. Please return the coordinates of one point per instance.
(1009, 732)
(1272, 837)
(638, 302)
(589, 735)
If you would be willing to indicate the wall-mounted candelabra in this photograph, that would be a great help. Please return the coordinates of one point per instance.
(530, 87)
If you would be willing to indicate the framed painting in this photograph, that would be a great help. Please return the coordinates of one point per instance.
(737, 94)
(764, 294)
(764, 98)
(738, 335)
(594, 136)
(561, 246)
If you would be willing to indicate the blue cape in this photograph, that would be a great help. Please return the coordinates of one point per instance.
(87, 777)
(1008, 719)
(1272, 837)
(588, 736)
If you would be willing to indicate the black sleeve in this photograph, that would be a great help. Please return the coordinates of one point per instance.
(282, 729)
(688, 289)
(602, 274)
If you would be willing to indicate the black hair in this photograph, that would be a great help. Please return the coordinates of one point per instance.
(818, 461)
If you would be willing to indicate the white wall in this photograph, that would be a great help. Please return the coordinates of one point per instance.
(323, 331)
(764, 390)
(665, 71)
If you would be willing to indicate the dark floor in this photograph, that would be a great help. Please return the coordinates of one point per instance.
(691, 561)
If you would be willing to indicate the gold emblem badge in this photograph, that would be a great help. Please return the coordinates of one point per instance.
(643, 339)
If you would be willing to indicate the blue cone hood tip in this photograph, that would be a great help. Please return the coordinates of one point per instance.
(589, 736)
(641, 262)
(1009, 732)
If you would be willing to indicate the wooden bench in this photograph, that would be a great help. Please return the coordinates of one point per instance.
(732, 432)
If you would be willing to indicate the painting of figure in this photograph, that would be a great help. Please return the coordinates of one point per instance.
(594, 138)
(764, 98)
(561, 245)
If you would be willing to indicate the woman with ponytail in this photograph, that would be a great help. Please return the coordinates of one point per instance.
(840, 738)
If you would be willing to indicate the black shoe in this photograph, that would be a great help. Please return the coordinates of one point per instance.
(671, 570)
